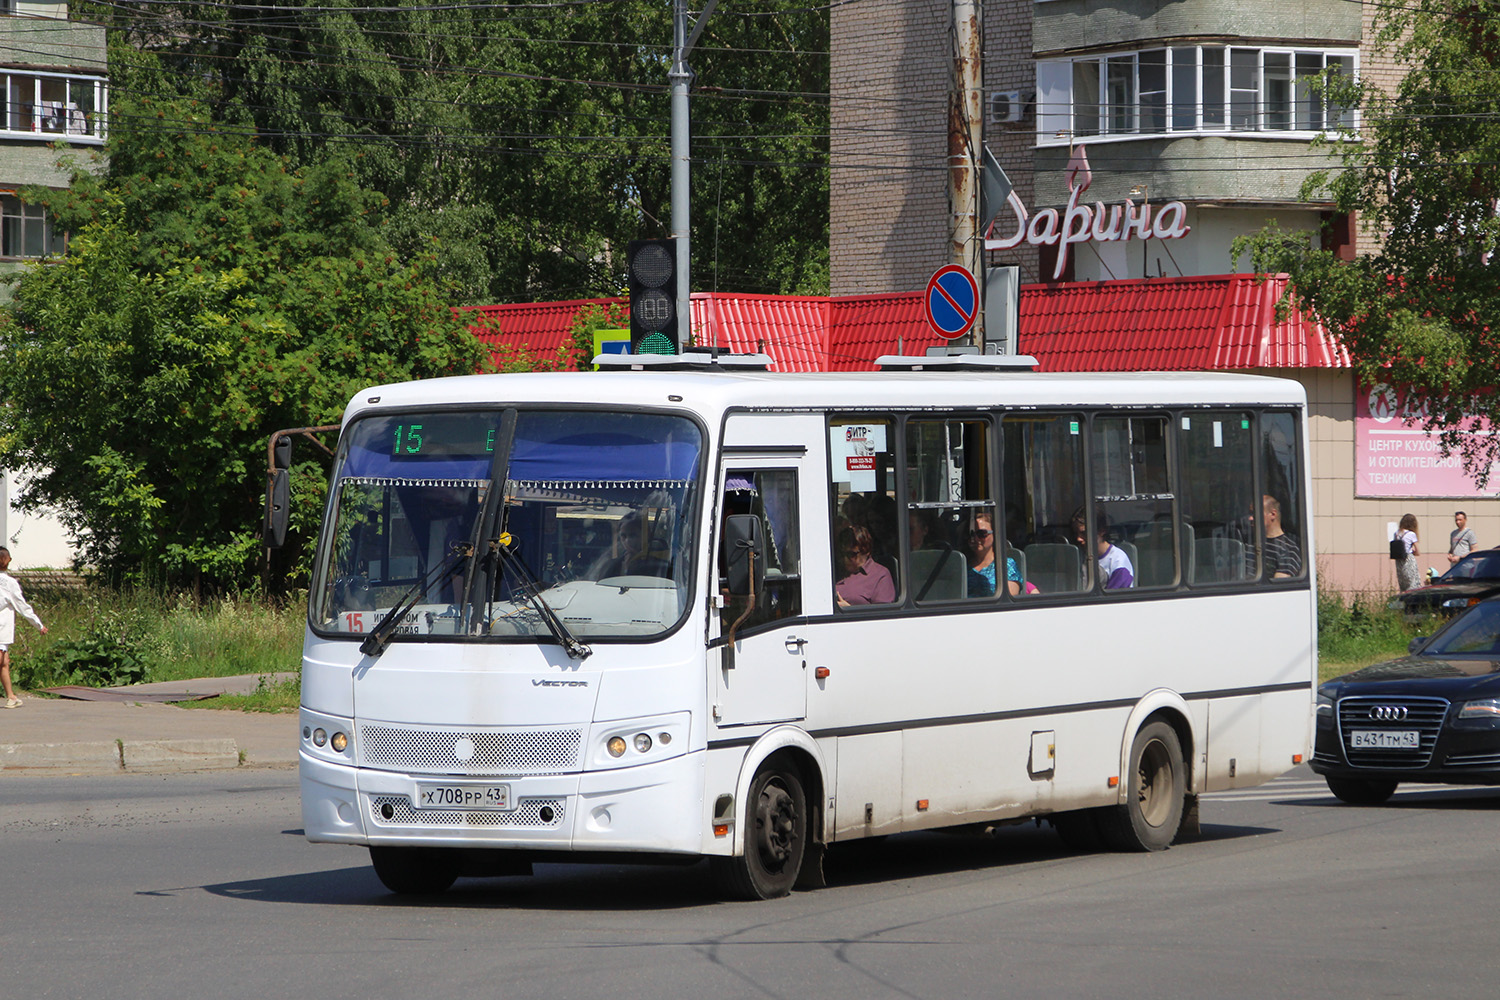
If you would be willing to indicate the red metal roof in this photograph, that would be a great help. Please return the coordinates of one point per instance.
(1203, 323)
(1215, 322)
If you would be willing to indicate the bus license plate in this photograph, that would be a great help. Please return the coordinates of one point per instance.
(1385, 739)
(464, 797)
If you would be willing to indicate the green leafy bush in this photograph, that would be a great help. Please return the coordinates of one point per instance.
(1360, 631)
(108, 653)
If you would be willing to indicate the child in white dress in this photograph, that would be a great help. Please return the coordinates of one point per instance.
(11, 601)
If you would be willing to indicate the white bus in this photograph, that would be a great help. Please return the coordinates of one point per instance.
(705, 610)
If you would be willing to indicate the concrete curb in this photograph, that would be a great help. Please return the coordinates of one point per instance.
(179, 755)
(133, 756)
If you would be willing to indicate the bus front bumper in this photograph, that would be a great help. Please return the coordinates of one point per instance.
(648, 808)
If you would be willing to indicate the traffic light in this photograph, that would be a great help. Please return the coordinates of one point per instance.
(278, 492)
(652, 268)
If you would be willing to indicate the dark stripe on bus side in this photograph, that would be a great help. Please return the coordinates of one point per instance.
(764, 449)
(1076, 599)
(966, 720)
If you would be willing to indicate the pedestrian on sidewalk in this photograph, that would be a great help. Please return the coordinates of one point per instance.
(11, 601)
(1405, 542)
(1461, 540)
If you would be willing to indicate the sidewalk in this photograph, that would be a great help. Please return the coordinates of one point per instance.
(63, 736)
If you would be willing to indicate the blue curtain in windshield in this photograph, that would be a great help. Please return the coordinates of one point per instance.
(550, 447)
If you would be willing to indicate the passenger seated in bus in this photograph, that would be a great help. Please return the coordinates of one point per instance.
(628, 555)
(1115, 568)
(919, 529)
(1282, 557)
(982, 560)
(862, 580)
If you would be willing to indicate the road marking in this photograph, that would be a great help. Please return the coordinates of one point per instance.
(1288, 789)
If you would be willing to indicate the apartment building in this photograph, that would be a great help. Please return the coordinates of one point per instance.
(55, 90)
(1153, 134)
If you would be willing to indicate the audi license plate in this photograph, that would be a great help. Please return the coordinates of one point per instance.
(1385, 739)
(464, 797)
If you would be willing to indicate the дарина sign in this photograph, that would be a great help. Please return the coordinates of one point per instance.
(1084, 223)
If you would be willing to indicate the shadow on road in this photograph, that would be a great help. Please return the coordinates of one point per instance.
(607, 887)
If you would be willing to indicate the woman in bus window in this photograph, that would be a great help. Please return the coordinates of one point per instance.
(982, 560)
(863, 580)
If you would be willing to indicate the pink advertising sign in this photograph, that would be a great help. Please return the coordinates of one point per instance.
(1393, 458)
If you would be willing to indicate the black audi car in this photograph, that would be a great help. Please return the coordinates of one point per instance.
(1467, 582)
(1431, 716)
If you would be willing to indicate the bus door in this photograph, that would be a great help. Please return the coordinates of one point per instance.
(766, 472)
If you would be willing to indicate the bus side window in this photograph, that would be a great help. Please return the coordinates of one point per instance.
(1218, 496)
(866, 539)
(771, 495)
(1283, 553)
(1133, 542)
(1044, 486)
(954, 547)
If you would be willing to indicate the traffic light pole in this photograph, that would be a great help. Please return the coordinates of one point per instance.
(681, 77)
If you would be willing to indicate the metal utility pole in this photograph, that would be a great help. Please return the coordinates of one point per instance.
(681, 77)
(965, 140)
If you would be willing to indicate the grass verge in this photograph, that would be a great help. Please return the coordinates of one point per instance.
(105, 638)
(1356, 633)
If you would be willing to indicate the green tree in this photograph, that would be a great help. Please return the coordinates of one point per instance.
(1423, 309)
(211, 294)
(532, 143)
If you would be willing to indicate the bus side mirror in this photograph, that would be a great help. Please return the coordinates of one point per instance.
(744, 553)
(278, 493)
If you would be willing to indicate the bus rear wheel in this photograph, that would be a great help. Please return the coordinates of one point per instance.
(1360, 791)
(1149, 817)
(415, 871)
(775, 837)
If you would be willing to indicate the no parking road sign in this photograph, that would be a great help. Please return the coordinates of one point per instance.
(952, 301)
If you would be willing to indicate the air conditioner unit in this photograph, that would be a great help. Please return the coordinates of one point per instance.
(1010, 106)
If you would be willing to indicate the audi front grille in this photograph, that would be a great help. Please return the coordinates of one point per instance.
(1390, 717)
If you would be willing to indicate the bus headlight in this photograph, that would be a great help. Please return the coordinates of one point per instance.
(628, 742)
(327, 737)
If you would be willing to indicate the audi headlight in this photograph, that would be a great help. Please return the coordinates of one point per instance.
(1486, 708)
(1324, 706)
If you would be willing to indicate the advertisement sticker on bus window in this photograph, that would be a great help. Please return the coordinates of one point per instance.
(854, 448)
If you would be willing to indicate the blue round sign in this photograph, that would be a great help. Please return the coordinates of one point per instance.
(952, 301)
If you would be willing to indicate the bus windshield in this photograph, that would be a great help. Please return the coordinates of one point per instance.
(596, 507)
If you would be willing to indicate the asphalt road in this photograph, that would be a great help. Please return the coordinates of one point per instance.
(200, 885)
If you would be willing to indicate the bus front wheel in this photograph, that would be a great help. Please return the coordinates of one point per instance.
(775, 837)
(415, 871)
(1149, 817)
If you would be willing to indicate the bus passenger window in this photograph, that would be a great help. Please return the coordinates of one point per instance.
(1281, 477)
(771, 495)
(1218, 496)
(1133, 538)
(954, 547)
(865, 532)
(1044, 486)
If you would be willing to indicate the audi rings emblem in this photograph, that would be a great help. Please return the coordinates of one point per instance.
(1388, 713)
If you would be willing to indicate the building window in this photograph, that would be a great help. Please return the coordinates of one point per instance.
(1196, 88)
(26, 231)
(41, 105)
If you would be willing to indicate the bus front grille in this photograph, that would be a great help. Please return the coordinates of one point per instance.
(528, 814)
(469, 751)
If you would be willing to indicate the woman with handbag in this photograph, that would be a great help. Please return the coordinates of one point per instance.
(1407, 574)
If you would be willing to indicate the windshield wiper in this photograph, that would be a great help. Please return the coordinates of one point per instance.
(380, 635)
(531, 587)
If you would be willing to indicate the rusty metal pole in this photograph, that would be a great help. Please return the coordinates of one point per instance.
(965, 140)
